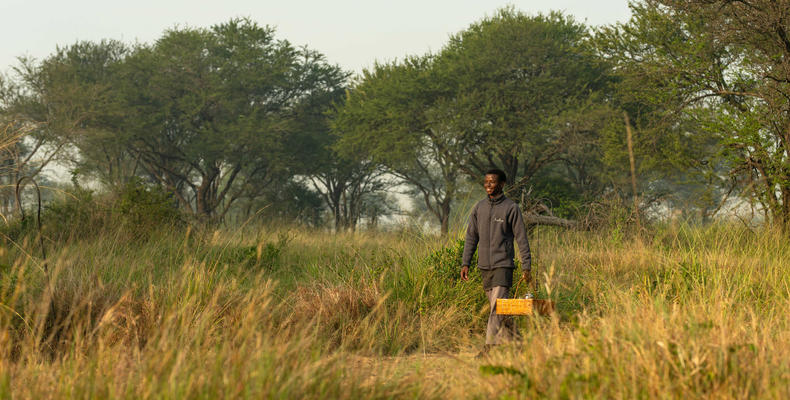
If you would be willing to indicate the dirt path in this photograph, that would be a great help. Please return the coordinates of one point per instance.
(448, 375)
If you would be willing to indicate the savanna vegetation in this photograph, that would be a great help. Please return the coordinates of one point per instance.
(236, 225)
(277, 313)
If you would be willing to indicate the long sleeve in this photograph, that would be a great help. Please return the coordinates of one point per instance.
(520, 234)
(472, 238)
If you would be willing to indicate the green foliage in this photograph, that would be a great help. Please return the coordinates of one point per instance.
(144, 207)
(77, 215)
(266, 255)
(290, 202)
(235, 125)
(526, 93)
(501, 370)
(445, 263)
(522, 91)
(560, 195)
(442, 269)
(225, 116)
(388, 117)
(211, 115)
(693, 76)
(136, 208)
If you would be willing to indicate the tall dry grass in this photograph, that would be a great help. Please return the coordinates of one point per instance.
(689, 312)
(205, 315)
(257, 313)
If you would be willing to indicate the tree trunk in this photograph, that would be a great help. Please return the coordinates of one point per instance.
(445, 217)
(784, 217)
(203, 201)
(338, 221)
(632, 163)
(201, 208)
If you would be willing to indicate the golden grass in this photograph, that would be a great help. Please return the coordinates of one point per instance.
(686, 312)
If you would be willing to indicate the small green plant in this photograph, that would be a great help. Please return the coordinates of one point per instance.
(445, 263)
(143, 207)
(267, 254)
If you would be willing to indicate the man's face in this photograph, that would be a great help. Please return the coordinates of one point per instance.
(492, 185)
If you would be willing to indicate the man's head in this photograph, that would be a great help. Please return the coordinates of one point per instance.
(495, 180)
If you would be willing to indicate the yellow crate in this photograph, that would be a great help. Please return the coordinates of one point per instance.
(514, 306)
(523, 306)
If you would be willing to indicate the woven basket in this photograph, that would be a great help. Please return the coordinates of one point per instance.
(524, 306)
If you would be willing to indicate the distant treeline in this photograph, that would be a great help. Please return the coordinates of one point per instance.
(231, 120)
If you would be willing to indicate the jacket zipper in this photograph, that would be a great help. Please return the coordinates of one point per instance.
(490, 213)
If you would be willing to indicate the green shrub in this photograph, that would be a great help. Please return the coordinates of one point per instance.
(266, 255)
(443, 283)
(445, 263)
(74, 215)
(80, 214)
(143, 208)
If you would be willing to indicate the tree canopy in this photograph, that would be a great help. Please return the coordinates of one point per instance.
(508, 91)
(723, 66)
(231, 119)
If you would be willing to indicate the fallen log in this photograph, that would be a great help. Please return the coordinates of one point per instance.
(532, 219)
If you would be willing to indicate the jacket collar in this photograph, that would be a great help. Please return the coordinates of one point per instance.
(496, 200)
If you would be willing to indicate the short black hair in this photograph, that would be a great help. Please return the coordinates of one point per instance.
(499, 173)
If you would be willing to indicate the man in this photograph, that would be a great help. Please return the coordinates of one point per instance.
(494, 224)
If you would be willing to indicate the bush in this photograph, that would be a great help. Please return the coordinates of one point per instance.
(135, 208)
(444, 284)
(445, 263)
(264, 256)
(144, 208)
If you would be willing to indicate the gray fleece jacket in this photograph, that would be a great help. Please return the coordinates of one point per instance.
(494, 224)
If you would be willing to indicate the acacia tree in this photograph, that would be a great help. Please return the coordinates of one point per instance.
(344, 182)
(345, 186)
(212, 110)
(726, 64)
(60, 103)
(63, 102)
(517, 81)
(390, 118)
(508, 91)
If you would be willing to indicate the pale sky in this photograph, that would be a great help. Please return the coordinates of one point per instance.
(351, 33)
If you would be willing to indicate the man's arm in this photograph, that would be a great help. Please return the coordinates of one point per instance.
(470, 244)
(520, 234)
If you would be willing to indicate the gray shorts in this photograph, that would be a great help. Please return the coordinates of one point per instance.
(501, 276)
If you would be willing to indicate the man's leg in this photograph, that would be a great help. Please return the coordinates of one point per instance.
(496, 332)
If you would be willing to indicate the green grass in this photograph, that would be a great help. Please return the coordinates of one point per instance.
(697, 312)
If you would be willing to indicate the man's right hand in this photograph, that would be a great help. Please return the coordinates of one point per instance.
(465, 273)
(526, 276)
